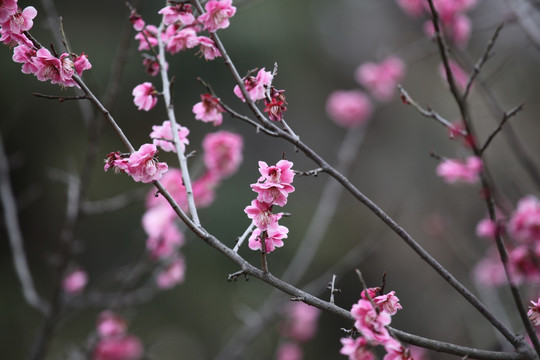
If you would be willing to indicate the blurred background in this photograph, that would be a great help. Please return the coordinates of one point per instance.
(318, 45)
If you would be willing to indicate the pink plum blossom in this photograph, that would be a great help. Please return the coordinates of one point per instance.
(208, 48)
(172, 181)
(152, 67)
(57, 70)
(162, 136)
(173, 274)
(524, 264)
(163, 234)
(222, 152)
(388, 302)
(534, 312)
(24, 53)
(145, 96)
(7, 9)
(272, 193)
(126, 347)
(280, 173)
(489, 270)
(452, 170)
(274, 236)
(524, 224)
(381, 79)
(179, 13)
(136, 20)
(204, 189)
(487, 229)
(147, 37)
(289, 351)
(261, 214)
(372, 325)
(75, 282)
(217, 15)
(141, 165)
(110, 324)
(183, 39)
(19, 21)
(300, 321)
(255, 86)
(396, 351)
(356, 349)
(414, 8)
(209, 110)
(349, 108)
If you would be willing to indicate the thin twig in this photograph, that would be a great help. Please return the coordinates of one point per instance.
(16, 238)
(485, 56)
(60, 98)
(174, 126)
(507, 115)
(244, 236)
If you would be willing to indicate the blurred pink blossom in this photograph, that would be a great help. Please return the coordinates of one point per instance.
(163, 136)
(173, 274)
(75, 282)
(126, 347)
(356, 349)
(147, 37)
(110, 324)
(396, 351)
(300, 321)
(217, 14)
(223, 152)
(136, 20)
(524, 224)
(460, 76)
(349, 108)
(179, 13)
(289, 351)
(145, 96)
(381, 79)
(452, 170)
(209, 110)
(7, 9)
(487, 229)
(208, 48)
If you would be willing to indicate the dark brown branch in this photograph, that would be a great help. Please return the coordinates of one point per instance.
(60, 98)
(507, 115)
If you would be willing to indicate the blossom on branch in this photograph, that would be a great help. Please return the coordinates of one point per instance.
(162, 136)
(261, 214)
(141, 165)
(370, 323)
(524, 224)
(275, 107)
(7, 9)
(255, 86)
(208, 48)
(180, 14)
(217, 15)
(75, 281)
(534, 312)
(356, 349)
(222, 153)
(145, 96)
(209, 110)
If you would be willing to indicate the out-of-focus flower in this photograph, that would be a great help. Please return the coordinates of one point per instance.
(349, 108)
(381, 79)
(452, 170)
(75, 282)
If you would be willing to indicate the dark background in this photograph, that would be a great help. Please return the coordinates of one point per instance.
(317, 45)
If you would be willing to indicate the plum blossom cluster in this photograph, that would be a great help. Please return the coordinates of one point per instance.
(222, 158)
(142, 165)
(46, 66)
(523, 226)
(209, 110)
(260, 87)
(114, 342)
(352, 108)
(272, 188)
(453, 15)
(299, 326)
(181, 31)
(372, 314)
